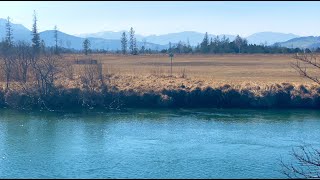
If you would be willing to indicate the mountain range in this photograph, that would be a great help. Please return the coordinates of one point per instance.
(269, 38)
(21, 33)
(311, 42)
(193, 37)
(110, 40)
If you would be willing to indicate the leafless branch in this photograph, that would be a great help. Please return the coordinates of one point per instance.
(307, 59)
(307, 164)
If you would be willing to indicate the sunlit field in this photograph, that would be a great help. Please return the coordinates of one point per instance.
(201, 70)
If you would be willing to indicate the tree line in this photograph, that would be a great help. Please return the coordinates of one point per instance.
(220, 45)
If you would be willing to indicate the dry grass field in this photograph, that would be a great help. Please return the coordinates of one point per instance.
(153, 71)
(226, 68)
(258, 80)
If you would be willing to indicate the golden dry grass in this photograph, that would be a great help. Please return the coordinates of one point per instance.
(233, 68)
(152, 71)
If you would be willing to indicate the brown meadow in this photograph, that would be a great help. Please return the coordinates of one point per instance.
(150, 71)
(258, 80)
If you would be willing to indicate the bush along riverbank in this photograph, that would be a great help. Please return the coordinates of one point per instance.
(282, 95)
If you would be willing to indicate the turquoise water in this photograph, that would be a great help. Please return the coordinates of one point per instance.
(205, 143)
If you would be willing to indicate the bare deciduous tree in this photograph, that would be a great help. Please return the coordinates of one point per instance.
(24, 58)
(46, 68)
(68, 70)
(304, 60)
(92, 73)
(307, 163)
(7, 66)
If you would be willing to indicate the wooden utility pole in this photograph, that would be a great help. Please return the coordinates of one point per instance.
(171, 56)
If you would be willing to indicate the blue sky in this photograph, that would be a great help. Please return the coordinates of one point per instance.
(147, 18)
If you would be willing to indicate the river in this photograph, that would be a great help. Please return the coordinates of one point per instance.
(153, 143)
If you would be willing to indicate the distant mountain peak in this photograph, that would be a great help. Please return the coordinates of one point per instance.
(270, 37)
(310, 42)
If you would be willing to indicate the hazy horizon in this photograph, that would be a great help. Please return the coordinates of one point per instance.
(82, 34)
(156, 18)
(137, 33)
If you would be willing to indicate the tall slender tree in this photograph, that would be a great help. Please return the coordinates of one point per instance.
(8, 54)
(135, 48)
(204, 46)
(124, 42)
(55, 35)
(35, 36)
(132, 41)
(143, 47)
(9, 37)
(42, 46)
(238, 42)
(188, 44)
(86, 46)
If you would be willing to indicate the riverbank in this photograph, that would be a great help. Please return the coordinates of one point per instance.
(120, 92)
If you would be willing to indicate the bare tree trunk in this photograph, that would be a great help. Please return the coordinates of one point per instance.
(8, 65)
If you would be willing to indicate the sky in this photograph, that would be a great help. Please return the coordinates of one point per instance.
(156, 17)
